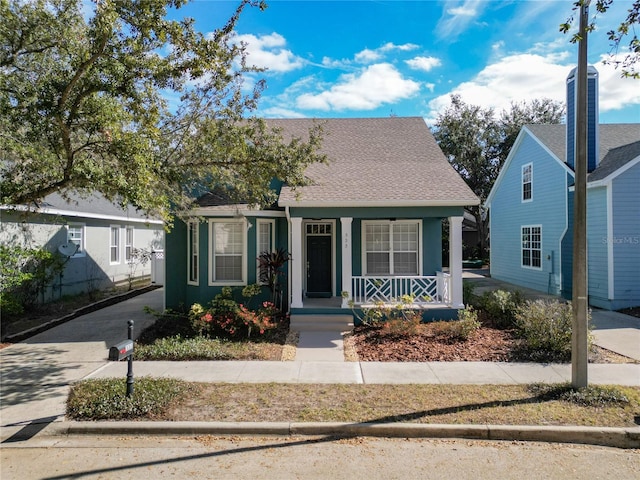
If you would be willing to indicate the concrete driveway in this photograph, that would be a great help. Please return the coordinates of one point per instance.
(39, 370)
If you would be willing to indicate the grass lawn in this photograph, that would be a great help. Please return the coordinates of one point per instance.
(444, 404)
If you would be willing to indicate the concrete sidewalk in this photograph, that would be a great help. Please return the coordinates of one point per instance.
(488, 373)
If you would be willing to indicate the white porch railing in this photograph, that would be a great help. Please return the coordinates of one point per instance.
(432, 290)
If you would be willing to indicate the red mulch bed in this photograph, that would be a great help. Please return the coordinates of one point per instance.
(373, 344)
(376, 344)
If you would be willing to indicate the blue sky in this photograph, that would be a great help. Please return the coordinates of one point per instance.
(380, 58)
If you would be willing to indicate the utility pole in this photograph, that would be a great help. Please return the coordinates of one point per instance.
(580, 304)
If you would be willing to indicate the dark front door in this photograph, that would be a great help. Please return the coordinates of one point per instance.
(319, 266)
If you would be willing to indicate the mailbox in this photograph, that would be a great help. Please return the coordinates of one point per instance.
(121, 351)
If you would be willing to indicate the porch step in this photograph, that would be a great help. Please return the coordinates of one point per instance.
(321, 323)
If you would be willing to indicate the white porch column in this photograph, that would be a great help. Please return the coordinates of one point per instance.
(455, 260)
(346, 259)
(297, 262)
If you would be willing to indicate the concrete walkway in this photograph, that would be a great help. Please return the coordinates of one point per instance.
(320, 347)
(617, 332)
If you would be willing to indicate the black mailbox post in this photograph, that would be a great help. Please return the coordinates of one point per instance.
(124, 350)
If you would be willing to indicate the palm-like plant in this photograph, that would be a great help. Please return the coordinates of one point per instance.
(271, 264)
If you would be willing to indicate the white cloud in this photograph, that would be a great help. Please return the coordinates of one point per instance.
(457, 16)
(462, 11)
(498, 46)
(424, 63)
(525, 77)
(279, 112)
(369, 56)
(616, 92)
(374, 86)
(389, 46)
(515, 78)
(267, 51)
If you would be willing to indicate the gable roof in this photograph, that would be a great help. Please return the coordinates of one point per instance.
(619, 143)
(553, 137)
(616, 160)
(93, 205)
(390, 161)
(619, 147)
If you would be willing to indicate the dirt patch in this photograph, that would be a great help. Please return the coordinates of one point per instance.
(371, 344)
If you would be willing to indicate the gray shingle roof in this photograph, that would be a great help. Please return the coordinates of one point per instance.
(619, 144)
(93, 205)
(376, 162)
(616, 158)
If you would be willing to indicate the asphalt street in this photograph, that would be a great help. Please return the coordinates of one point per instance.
(206, 457)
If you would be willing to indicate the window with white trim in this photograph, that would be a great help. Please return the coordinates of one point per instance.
(193, 237)
(227, 240)
(75, 235)
(391, 248)
(532, 246)
(114, 244)
(128, 244)
(265, 240)
(527, 182)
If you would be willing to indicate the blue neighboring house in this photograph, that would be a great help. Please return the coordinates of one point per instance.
(531, 208)
(368, 228)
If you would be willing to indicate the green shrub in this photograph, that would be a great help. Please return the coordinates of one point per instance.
(406, 325)
(396, 312)
(105, 399)
(458, 330)
(545, 327)
(24, 275)
(226, 316)
(467, 323)
(498, 307)
(468, 292)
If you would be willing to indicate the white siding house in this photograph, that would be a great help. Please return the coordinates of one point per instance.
(97, 236)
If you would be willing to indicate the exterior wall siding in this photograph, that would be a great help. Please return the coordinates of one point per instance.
(546, 209)
(626, 239)
(92, 270)
(180, 295)
(596, 247)
(567, 252)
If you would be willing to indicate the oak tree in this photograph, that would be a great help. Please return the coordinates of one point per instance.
(476, 142)
(122, 100)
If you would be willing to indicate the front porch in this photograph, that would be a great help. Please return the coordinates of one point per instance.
(441, 291)
(431, 295)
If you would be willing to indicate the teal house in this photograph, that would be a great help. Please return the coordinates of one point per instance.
(531, 208)
(367, 228)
